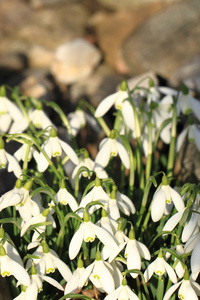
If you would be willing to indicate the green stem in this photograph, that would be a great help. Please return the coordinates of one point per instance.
(149, 157)
(171, 156)
(160, 288)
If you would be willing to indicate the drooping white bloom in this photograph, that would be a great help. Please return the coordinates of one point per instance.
(96, 194)
(88, 232)
(111, 147)
(49, 261)
(133, 252)
(40, 119)
(21, 152)
(53, 147)
(159, 266)
(193, 133)
(74, 283)
(188, 289)
(100, 273)
(64, 197)
(163, 196)
(78, 119)
(8, 267)
(8, 112)
(123, 292)
(187, 104)
(8, 161)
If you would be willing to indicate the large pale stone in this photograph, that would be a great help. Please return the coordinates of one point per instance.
(75, 61)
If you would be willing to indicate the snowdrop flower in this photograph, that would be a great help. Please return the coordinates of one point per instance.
(21, 152)
(133, 252)
(34, 220)
(159, 266)
(163, 197)
(123, 292)
(53, 147)
(74, 282)
(100, 273)
(193, 133)
(7, 160)
(78, 119)
(8, 112)
(188, 289)
(96, 194)
(39, 118)
(88, 232)
(49, 261)
(179, 250)
(19, 197)
(64, 197)
(8, 267)
(193, 244)
(187, 104)
(111, 146)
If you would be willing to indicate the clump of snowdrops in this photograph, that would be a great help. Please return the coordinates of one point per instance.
(119, 224)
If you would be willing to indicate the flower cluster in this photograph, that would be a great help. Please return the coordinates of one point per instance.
(113, 221)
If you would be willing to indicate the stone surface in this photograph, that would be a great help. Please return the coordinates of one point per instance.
(113, 27)
(40, 57)
(75, 61)
(165, 42)
(118, 4)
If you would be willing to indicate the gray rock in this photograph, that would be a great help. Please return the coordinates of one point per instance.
(75, 61)
(165, 42)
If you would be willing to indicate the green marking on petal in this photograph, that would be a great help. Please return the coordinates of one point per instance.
(89, 239)
(159, 272)
(113, 154)
(169, 201)
(96, 276)
(56, 154)
(5, 273)
(181, 296)
(50, 270)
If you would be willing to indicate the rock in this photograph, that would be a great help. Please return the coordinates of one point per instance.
(75, 61)
(119, 4)
(165, 42)
(112, 28)
(39, 57)
(189, 74)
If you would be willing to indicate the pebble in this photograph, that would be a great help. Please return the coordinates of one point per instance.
(75, 61)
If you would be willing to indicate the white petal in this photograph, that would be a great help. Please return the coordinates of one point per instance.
(150, 270)
(76, 242)
(123, 154)
(13, 165)
(144, 252)
(62, 267)
(105, 105)
(181, 139)
(177, 199)
(170, 272)
(158, 205)
(173, 221)
(31, 292)
(195, 260)
(103, 155)
(85, 275)
(19, 273)
(104, 236)
(70, 152)
(171, 290)
(133, 257)
(189, 227)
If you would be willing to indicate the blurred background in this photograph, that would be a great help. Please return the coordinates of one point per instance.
(65, 50)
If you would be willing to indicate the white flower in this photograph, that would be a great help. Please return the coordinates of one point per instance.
(7, 160)
(8, 267)
(64, 197)
(100, 273)
(88, 232)
(96, 194)
(40, 119)
(188, 289)
(133, 252)
(74, 282)
(53, 147)
(159, 266)
(123, 292)
(78, 119)
(163, 197)
(8, 112)
(49, 261)
(193, 133)
(21, 152)
(111, 147)
(188, 104)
